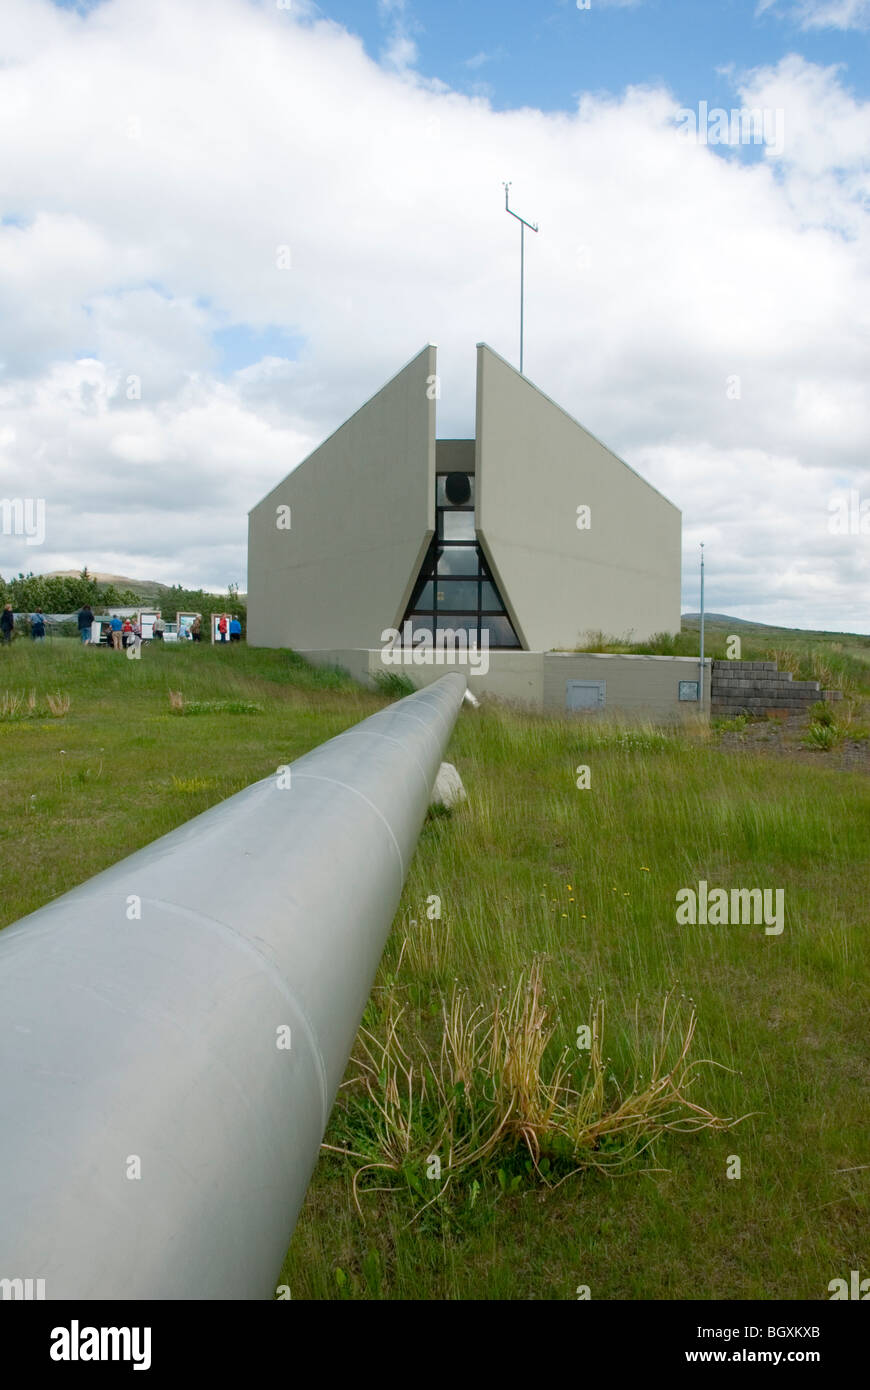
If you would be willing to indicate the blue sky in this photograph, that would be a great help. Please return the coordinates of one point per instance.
(546, 52)
(702, 308)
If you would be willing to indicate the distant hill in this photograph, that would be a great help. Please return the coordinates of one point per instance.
(723, 622)
(143, 588)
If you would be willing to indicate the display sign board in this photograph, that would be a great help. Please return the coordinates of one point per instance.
(688, 690)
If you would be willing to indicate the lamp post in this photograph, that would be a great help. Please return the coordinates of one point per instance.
(701, 680)
(533, 226)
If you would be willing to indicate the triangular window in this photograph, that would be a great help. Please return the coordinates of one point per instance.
(455, 588)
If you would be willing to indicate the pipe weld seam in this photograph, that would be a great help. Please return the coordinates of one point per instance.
(390, 738)
(267, 967)
(336, 782)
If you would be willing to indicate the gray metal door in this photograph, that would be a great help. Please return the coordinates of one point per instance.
(585, 694)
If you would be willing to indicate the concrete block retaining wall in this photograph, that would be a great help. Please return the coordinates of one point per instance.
(757, 687)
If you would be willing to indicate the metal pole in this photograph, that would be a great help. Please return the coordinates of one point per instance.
(701, 683)
(173, 1031)
(522, 286)
(533, 226)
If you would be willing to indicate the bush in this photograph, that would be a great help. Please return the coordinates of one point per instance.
(821, 713)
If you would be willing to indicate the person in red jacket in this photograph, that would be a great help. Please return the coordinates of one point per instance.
(223, 628)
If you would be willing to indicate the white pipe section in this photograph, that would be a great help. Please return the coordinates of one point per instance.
(157, 1133)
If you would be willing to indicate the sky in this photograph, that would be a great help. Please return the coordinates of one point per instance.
(223, 226)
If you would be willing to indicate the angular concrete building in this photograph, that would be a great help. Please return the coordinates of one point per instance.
(532, 533)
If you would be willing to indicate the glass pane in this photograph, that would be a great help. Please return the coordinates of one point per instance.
(456, 526)
(425, 598)
(501, 634)
(457, 559)
(417, 621)
(457, 622)
(456, 593)
(489, 600)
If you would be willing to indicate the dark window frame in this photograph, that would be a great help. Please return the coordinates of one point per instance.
(472, 617)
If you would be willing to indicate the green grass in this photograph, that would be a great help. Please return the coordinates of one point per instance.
(122, 767)
(787, 1014)
(529, 869)
(838, 660)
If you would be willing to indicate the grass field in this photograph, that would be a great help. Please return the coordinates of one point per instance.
(532, 873)
(839, 660)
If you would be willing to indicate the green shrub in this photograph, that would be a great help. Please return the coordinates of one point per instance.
(824, 736)
(733, 725)
(394, 684)
(821, 713)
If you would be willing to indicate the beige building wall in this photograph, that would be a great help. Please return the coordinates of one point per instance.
(362, 512)
(454, 455)
(535, 465)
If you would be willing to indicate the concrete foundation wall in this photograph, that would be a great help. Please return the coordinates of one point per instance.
(644, 686)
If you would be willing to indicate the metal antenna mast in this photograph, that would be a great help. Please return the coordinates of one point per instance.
(701, 675)
(533, 227)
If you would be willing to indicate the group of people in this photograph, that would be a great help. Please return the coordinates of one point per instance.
(7, 624)
(229, 628)
(123, 633)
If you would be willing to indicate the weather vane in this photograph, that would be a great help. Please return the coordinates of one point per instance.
(533, 227)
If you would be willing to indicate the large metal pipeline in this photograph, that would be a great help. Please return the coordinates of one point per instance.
(174, 1030)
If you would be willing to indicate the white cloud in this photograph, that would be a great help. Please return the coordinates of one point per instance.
(400, 51)
(820, 14)
(181, 148)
